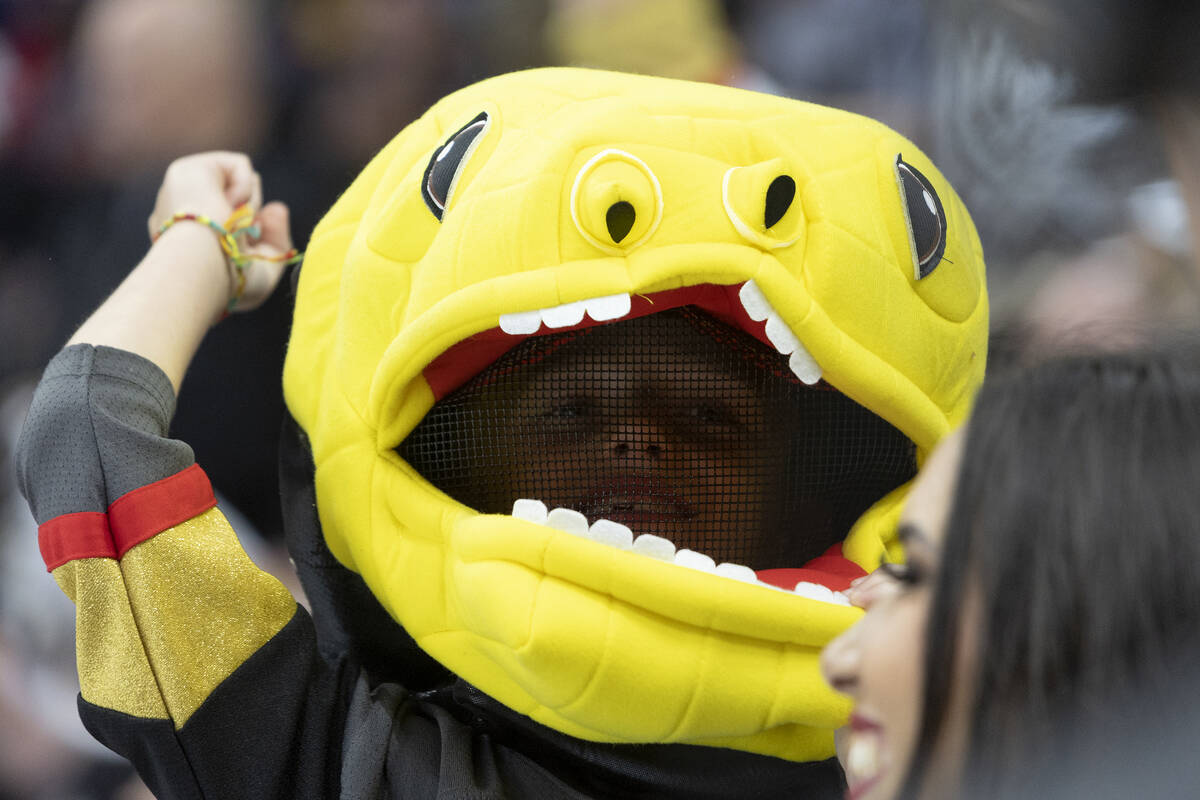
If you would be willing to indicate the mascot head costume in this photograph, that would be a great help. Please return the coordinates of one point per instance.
(609, 384)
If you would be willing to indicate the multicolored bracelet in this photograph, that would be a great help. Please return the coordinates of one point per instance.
(240, 224)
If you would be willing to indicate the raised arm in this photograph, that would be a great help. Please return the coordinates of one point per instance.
(193, 663)
(164, 307)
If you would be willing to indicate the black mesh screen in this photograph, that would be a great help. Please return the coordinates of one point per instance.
(673, 424)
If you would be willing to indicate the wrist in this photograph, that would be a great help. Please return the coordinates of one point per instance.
(194, 257)
(232, 237)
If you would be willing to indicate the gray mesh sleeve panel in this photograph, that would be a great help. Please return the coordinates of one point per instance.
(96, 430)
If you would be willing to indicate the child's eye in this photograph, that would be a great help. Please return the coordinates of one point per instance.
(570, 410)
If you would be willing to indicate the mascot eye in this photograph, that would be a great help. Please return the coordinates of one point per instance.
(447, 163)
(925, 216)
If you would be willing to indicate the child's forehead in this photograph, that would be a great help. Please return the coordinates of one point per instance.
(680, 353)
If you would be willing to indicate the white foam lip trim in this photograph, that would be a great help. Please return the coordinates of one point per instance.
(521, 322)
(781, 336)
(815, 591)
(609, 307)
(690, 558)
(614, 534)
(759, 308)
(530, 511)
(564, 316)
(655, 547)
(569, 520)
(600, 309)
(737, 572)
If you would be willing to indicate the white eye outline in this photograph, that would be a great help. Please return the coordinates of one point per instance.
(482, 121)
(746, 231)
(591, 164)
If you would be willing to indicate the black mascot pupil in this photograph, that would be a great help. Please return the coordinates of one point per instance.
(673, 424)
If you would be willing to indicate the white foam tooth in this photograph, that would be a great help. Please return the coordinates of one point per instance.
(841, 599)
(521, 323)
(654, 546)
(613, 534)
(754, 301)
(737, 572)
(565, 315)
(694, 560)
(609, 307)
(530, 511)
(781, 336)
(569, 520)
(804, 366)
(814, 591)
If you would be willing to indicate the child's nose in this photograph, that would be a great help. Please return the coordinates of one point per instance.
(637, 438)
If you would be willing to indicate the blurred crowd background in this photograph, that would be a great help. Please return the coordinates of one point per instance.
(1070, 127)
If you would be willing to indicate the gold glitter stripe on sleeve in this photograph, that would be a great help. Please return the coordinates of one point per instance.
(202, 607)
(113, 669)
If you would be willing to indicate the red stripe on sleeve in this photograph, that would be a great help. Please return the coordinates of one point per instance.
(139, 515)
(71, 536)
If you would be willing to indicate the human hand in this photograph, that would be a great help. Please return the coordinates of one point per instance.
(274, 241)
(214, 185)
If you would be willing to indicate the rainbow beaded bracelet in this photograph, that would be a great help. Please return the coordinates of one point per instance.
(239, 224)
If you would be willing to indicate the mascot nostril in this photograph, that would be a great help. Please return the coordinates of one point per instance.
(760, 202)
(616, 201)
(780, 194)
(619, 219)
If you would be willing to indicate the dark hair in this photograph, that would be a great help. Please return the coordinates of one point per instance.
(1076, 522)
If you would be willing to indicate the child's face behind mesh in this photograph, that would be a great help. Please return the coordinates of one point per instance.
(645, 432)
(669, 424)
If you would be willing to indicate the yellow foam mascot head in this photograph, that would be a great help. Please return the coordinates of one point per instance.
(560, 199)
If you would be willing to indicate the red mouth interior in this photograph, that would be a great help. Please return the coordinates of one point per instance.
(472, 355)
(831, 569)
